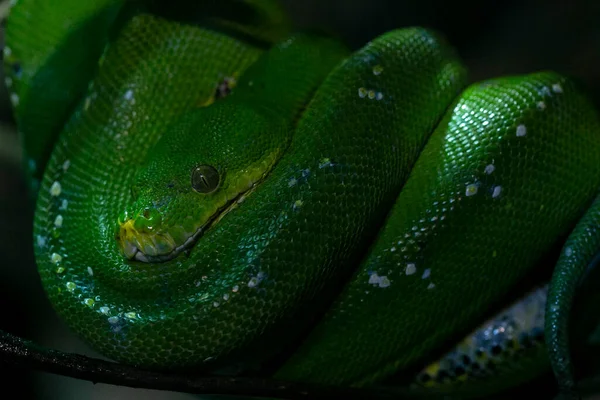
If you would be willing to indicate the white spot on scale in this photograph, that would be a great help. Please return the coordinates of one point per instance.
(541, 105)
(64, 205)
(373, 278)
(381, 281)
(55, 189)
(489, 169)
(41, 241)
(496, 192)
(235, 289)
(58, 221)
(411, 268)
(426, 273)
(384, 282)
(14, 99)
(90, 271)
(292, 182)
(379, 96)
(104, 310)
(226, 296)
(128, 95)
(521, 130)
(216, 304)
(568, 252)
(362, 92)
(545, 91)
(7, 51)
(113, 320)
(55, 258)
(557, 88)
(431, 286)
(471, 189)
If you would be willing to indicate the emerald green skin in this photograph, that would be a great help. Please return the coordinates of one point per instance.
(447, 228)
(385, 207)
(579, 253)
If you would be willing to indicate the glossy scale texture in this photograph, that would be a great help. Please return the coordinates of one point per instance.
(234, 285)
(393, 211)
(498, 182)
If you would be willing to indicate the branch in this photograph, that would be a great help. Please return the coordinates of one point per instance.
(17, 352)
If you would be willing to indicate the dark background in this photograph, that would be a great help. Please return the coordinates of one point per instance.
(493, 38)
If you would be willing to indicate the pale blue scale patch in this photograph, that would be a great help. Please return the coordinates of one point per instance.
(499, 342)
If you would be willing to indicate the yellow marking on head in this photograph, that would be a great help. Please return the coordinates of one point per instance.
(130, 239)
(127, 230)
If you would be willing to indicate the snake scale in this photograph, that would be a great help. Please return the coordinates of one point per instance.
(216, 193)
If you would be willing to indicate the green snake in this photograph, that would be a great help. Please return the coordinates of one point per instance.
(216, 193)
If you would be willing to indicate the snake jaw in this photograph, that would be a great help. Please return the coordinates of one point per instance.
(152, 247)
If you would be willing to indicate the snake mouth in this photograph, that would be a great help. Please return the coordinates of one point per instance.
(154, 247)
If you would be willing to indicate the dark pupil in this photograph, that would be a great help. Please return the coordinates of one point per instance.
(205, 179)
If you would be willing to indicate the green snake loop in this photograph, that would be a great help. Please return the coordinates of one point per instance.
(219, 194)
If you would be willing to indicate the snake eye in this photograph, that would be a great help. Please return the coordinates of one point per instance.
(205, 179)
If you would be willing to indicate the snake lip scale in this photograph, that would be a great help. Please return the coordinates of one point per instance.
(140, 256)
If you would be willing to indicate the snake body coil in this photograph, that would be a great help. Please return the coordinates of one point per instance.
(352, 211)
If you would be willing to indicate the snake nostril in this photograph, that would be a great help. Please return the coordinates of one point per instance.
(149, 219)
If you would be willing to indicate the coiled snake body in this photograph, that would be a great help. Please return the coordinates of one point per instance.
(227, 196)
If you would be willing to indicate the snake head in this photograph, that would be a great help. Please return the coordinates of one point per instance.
(197, 172)
(166, 219)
